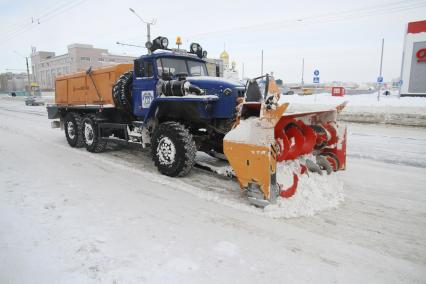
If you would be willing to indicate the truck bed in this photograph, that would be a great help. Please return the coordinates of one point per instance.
(77, 89)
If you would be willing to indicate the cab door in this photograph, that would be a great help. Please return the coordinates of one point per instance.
(144, 86)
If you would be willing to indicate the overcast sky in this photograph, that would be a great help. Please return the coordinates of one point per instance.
(340, 38)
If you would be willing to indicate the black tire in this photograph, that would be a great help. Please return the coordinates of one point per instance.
(174, 138)
(73, 130)
(122, 92)
(91, 137)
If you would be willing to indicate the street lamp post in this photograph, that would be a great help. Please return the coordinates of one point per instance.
(380, 75)
(148, 24)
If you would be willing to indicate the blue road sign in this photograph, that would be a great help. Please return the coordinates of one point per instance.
(316, 72)
(380, 79)
(316, 80)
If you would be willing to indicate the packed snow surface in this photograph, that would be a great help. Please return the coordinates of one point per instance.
(69, 216)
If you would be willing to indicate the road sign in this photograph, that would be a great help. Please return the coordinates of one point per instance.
(316, 80)
(380, 79)
(316, 72)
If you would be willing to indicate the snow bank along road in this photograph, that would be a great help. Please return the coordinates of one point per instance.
(68, 216)
(365, 108)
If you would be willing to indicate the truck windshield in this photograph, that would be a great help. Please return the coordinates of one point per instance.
(173, 66)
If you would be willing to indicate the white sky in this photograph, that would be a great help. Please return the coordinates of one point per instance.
(343, 46)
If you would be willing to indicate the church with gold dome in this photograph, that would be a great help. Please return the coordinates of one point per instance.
(221, 66)
(229, 71)
(224, 56)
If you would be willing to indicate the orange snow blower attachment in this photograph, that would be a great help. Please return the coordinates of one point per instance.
(265, 135)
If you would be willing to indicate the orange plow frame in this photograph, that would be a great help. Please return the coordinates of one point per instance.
(256, 143)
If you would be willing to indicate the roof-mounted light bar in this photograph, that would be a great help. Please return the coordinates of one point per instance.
(163, 43)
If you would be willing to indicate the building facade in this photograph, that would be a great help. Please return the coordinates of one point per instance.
(13, 82)
(45, 65)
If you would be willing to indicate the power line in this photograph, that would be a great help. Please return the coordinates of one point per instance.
(46, 16)
(18, 26)
(380, 9)
(29, 19)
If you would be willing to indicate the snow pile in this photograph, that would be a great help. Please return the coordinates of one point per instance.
(251, 131)
(314, 193)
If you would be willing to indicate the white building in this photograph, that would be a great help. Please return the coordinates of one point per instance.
(229, 71)
(46, 65)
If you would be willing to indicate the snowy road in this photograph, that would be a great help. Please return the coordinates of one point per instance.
(68, 216)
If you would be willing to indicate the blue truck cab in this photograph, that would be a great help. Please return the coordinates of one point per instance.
(217, 101)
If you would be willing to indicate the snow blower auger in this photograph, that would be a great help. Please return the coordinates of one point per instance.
(264, 136)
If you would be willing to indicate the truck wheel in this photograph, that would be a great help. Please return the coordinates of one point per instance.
(73, 127)
(173, 149)
(122, 92)
(91, 137)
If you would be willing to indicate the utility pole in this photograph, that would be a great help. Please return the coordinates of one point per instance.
(261, 68)
(28, 71)
(303, 70)
(28, 76)
(380, 75)
(242, 75)
(148, 24)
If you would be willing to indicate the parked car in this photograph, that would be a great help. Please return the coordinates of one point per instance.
(34, 101)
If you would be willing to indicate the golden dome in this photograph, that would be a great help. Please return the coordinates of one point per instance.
(224, 55)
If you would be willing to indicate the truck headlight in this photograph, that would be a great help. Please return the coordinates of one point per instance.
(164, 42)
(159, 43)
(194, 47)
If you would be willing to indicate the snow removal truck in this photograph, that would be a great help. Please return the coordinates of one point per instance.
(167, 101)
